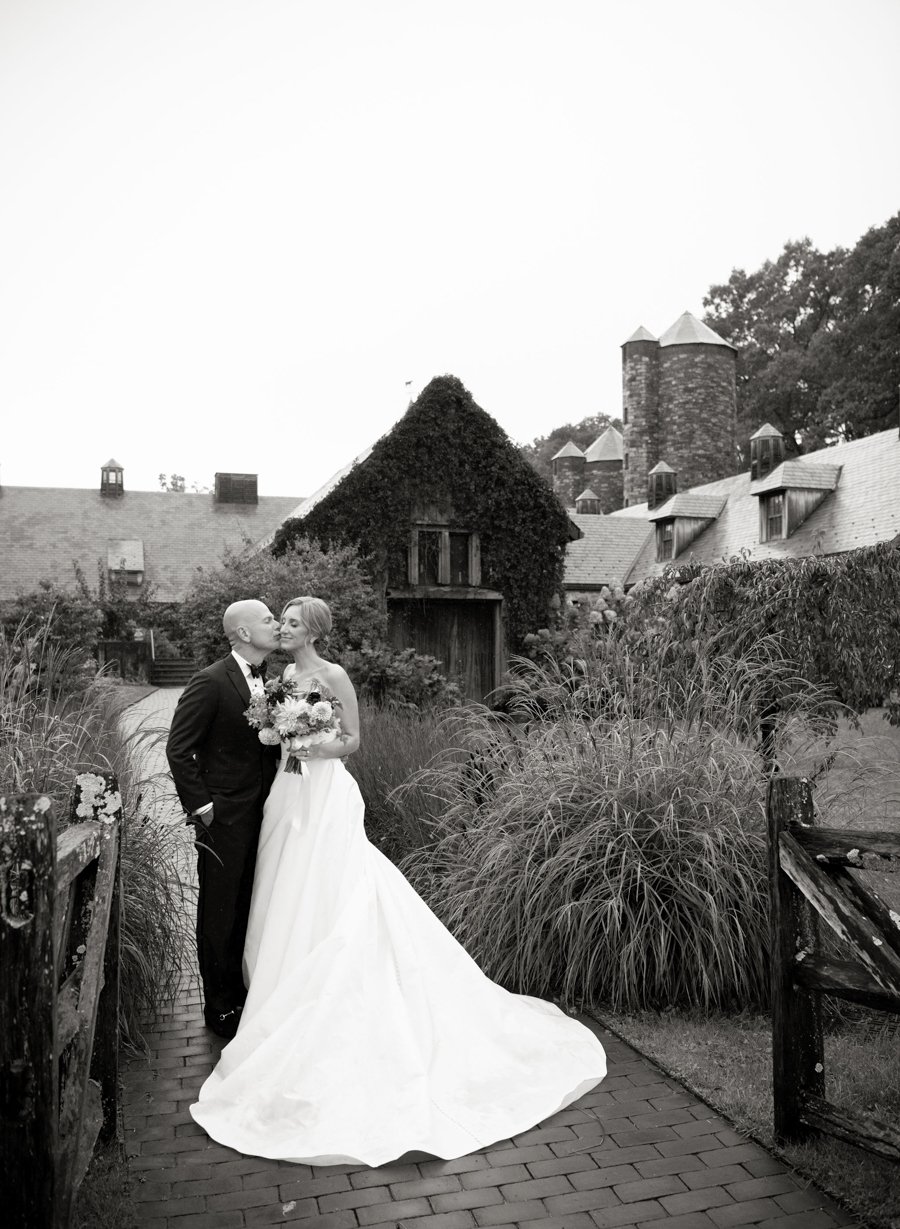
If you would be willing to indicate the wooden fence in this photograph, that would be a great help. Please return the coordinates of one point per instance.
(813, 876)
(59, 997)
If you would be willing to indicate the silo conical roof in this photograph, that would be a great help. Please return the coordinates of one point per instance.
(689, 331)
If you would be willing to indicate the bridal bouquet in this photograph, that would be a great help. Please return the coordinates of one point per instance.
(285, 713)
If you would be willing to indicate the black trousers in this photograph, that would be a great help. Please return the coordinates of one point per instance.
(226, 858)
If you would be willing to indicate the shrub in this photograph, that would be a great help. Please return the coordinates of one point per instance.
(608, 844)
(400, 678)
(575, 620)
(77, 616)
(833, 619)
(337, 575)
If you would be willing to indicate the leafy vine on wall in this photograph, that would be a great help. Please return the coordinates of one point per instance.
(448, 452)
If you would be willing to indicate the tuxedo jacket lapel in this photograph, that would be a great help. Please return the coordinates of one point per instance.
(236, 675)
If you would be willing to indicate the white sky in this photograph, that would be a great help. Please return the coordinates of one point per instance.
(232, 230)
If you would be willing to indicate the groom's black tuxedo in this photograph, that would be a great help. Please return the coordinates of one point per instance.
(216, 756)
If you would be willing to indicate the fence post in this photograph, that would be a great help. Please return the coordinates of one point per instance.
(105, 1057)
(797, 1043)
(29, 1101)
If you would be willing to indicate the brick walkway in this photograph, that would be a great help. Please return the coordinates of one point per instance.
(638, 1150)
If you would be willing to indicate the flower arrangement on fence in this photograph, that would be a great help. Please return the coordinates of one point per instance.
(294, 715)
(96, 798)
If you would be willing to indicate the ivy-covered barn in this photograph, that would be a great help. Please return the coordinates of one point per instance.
(466, 542)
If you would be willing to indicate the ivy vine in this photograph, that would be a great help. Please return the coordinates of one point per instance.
(448, 452)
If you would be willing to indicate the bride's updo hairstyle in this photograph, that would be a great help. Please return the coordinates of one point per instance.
(314, 614)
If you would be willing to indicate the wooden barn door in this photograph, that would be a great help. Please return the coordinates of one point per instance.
(461, 634)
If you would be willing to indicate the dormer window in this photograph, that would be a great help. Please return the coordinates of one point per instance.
(125, 560)
(772, 521)
(681, 519)
(790, 494)
(766, 451)
(665, 541)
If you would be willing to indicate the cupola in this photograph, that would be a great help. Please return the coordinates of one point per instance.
(588, 503)
(766, 451)
(662, 483)
(112, 479)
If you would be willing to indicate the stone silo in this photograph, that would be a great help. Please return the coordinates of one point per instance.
(640, 412)
(603, 469)
(697, 423)
(568, 473)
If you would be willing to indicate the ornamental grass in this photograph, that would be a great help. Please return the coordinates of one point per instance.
(606, 844)
(56, 721)
(395, 743)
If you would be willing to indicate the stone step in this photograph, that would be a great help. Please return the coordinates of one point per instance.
(171, 672)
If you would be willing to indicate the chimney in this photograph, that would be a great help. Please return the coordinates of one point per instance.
(112, 480)
(662, 483)
(236, 489)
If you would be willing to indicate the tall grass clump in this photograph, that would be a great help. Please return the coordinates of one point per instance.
(607, 843)
(395, 743)
(55, 723)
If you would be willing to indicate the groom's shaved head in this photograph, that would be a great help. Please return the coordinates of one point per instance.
(240, 614)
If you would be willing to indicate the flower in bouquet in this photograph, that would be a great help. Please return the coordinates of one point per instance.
(283, 713)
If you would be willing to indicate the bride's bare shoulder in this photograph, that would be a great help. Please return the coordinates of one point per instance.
(330, 673)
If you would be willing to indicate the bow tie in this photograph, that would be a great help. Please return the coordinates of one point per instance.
(258, 672)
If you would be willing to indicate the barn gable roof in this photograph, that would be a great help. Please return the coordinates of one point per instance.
(45, 530)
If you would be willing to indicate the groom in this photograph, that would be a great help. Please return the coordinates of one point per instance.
(222, 774)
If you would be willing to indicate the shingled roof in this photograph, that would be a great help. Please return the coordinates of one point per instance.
(862, 509)
(610, 446)
(606, 551)
(43, 530)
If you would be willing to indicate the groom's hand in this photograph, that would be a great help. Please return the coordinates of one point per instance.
(203, 819)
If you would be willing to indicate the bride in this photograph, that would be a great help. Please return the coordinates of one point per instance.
(368, 1031)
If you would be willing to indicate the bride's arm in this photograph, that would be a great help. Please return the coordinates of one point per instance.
(348, 740)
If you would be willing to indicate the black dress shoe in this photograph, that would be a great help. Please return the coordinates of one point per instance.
(223, 1023)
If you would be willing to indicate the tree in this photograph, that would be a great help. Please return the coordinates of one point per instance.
(774, 316)
(541, 450)
(337, 575)
(818, 338)
(176, 484)
(863, 353)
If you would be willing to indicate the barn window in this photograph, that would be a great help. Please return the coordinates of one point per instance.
(459, 559)
(441, 556)
(429, 557)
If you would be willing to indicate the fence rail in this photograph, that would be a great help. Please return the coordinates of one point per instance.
(59, 998)
(813, 878)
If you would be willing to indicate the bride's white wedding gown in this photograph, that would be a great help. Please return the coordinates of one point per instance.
(368, 1031)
